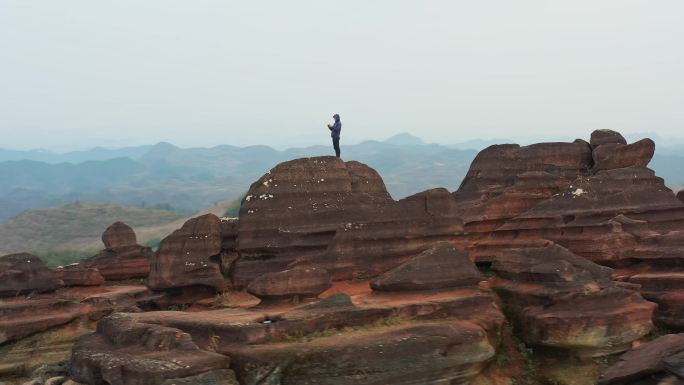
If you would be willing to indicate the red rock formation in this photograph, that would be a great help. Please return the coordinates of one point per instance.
(20, 317)
(130, 353)
(293, 282)
(119, 235)
(601, 137)
(439, 336)
(507, 180)
(618, 215)
(612, 156)
(441, 266)
(122, 257)
(644, 362)
(190, 256)
(680, 195)
(77, 275)
(24, 274)
(322, 212)
(564, 301)
(312, 221)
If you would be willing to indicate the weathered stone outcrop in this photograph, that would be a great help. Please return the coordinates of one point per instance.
(190, 256)
(126, 352)
(612, 156)
(118, 236)
(560, 300)
(23, 357)
(293, 282)
(439, 267)
(323, 212)
(601, 137)
(24, 274)
(21, 317)
(647, 361)
(42, 329)
(77, 275)
(680, 195)
(507, 180)
(619, 214)
(123, 257)
(438, 337)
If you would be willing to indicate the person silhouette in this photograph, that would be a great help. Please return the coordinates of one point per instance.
(335, 130)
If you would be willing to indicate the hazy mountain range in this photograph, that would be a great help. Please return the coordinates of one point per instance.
(190, 179)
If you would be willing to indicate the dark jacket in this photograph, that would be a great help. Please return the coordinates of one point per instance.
(336, 128)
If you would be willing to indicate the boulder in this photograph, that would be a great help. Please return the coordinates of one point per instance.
(643, 361)
(441, 266)
(612, 156)
(189, 256)
(76, 275)
(564, 301)
(122, 257)
(119, 235)
(601, 137)
(293, 282)
(24, 273)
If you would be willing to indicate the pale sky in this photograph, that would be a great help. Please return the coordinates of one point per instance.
(79, 73)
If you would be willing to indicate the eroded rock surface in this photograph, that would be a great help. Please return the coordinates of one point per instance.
(24, 273)
(77, 275)
(582, 238)
(439, 267)
(293, 282)
(561, 300)
(190, 256)
(386, 338)
(122, 257)
(41, 329)
(601, 137)
(620, 214)
(645, 361)
(325, 213)
(126, 352)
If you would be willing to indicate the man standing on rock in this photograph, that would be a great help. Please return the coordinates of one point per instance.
(335, 129)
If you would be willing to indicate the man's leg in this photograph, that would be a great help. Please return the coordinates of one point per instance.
(336, 145)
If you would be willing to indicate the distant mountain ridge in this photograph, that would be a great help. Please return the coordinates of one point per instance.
(189, 179)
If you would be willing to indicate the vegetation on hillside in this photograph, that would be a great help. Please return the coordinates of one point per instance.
(67, 230)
